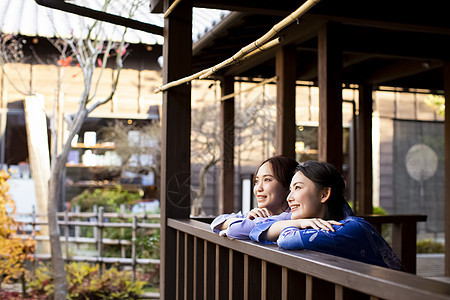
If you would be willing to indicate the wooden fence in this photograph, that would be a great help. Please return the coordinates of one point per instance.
(71, 233)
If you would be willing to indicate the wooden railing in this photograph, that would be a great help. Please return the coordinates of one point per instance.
(404, 234)
(212, 267)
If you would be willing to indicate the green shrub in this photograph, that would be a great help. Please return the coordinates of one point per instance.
(147, 240)
(378, 210)
(110, 199)
(430, 246)
(85, 282)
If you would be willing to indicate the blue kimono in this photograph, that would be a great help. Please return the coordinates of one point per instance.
(356, 239)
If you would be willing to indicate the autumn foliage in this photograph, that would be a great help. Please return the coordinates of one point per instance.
(13, 250)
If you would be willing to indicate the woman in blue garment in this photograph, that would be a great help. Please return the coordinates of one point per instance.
(271, 187)
(321, 220)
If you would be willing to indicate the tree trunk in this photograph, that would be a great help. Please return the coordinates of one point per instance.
(54, 199)
(198, 201)
(59, 274)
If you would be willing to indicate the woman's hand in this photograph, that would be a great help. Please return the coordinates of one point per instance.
(315, 223)
(258, 212)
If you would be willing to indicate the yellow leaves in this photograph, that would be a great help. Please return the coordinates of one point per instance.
(13, 251)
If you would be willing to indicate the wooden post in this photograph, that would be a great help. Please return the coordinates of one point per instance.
(447, 168)
(122, 230)
(330, 95)
(95, 211)
(133, 247)
(175, 137)
(226, 178)
(100, 238)
(66, 232)
(364, 151)
(77, 228)
(33, 237)
(286, 73)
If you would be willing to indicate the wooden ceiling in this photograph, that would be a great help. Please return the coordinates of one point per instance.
(385, 43)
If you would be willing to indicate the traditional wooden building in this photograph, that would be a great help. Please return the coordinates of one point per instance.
(332, 43)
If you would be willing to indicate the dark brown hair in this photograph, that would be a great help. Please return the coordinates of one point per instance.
(324, 175)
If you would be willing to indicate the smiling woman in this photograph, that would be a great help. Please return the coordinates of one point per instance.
(321, 220)
(271, 187)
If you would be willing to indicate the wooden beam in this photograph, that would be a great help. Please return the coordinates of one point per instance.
(330, 95)
(364, 150)
(400, 70)
(447, 168)
(226, 178)
(309, 71)
(286, 73)
(175, 137)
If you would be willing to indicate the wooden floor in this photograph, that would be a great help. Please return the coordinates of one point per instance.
(431, 266)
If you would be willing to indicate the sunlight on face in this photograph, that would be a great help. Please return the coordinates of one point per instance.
(304, 198)
(269, 192)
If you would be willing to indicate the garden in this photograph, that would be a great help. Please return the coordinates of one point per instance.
(115, 276)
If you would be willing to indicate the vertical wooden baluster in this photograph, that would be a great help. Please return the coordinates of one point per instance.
(194, 292)
(177, 266)
(263, 280)
(309, 287)
(230, 274)
(205, 270)
(338, 292)
(210, 286)
(216, 286)
(185, 267)
(245, 277)
(284, 283)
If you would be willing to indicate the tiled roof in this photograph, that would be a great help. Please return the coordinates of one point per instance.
(26, 17)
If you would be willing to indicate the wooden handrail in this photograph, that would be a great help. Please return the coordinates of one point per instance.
(342, 273)
(394, 219)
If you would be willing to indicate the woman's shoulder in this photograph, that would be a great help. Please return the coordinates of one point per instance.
(354, 220)
(355, 223)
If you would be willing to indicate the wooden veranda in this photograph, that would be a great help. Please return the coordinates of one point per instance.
(392, 43)
(332, 43)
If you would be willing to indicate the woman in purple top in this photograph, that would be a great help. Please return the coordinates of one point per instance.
(271, 187)
(321, 220)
